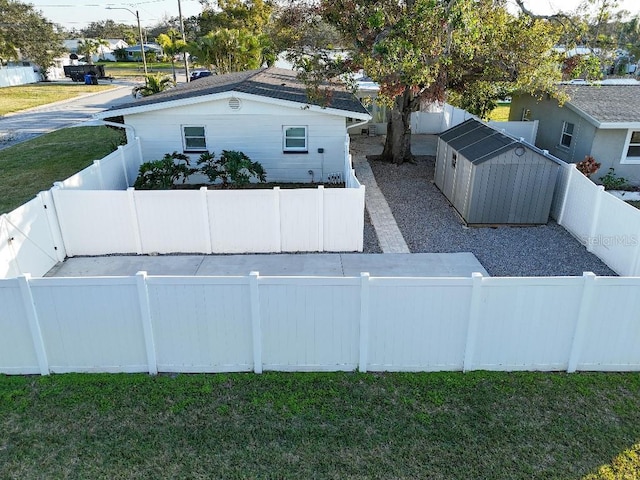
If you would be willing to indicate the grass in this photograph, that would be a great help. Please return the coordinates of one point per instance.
(501, 112)
(634, 203)
(32, 166)
(478, 425)
(21, 97)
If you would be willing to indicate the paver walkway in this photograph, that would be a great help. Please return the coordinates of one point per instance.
(390, 238)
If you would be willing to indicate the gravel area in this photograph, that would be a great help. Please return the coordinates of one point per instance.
(430, 224)
(370, 244)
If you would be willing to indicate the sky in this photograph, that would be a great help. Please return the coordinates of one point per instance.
(77, 14)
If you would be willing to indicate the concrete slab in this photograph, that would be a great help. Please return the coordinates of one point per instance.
(347, 264)
(412, 264)
(126, 265)
(321, 264)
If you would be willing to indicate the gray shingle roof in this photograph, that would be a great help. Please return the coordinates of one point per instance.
(479, 142)
(606, 103)
(271, 82)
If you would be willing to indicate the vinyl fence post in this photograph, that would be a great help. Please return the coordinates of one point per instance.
(256, 322)
(320, 200)
(586, 300)
(474, 319)
(147, 326)
(133, 211)
(206, 223)
(278, 212)
(12, 253)
(572, 169)
(123, 162)
(53, 222)
(98, 168)
(139, 150)
(364, 321)
(593, 228)
(34, 323)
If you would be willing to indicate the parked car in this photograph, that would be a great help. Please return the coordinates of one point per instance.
(199, 74)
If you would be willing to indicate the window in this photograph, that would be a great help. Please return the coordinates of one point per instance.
(567, 134)
(194, 139)
(526, 115)
(295, 139)
(632, 149)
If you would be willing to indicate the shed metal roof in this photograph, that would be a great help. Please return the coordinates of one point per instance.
(478, 142)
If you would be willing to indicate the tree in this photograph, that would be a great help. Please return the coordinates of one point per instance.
(251, 15)
(110, 29)
(172, 44)
(154, 84)
(228, 50)
(468, 52)
(19, 24)
(89, 46)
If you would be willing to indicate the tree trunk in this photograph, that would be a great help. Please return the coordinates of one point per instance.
(397, 147)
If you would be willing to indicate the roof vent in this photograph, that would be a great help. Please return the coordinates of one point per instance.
(234, 103)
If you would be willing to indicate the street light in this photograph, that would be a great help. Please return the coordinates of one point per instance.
(144, 59)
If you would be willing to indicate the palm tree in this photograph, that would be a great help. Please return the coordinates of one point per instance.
(89, 46)
(172, 44)
(154, 84)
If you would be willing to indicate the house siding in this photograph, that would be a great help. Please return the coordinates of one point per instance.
(255, 129)
(551, 117)
(608, 149)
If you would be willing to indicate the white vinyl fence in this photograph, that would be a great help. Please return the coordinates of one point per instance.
(11, 76)
(607, 226)
(253, 323)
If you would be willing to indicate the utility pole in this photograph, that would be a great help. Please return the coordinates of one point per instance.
(184, 54)
(144, 58)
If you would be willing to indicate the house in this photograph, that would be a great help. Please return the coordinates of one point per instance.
(105, 52)
(264, 113)
(599, 120)
(133, 52)
(492, 178)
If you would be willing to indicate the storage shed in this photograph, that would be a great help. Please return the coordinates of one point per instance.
(491, 178)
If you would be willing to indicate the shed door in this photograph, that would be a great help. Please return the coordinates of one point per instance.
(450, 173)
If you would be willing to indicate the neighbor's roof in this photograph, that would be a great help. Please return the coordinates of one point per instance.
(478, 142)
(606, 106)
(274, 83)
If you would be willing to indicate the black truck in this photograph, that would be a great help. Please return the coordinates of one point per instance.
(77, 72)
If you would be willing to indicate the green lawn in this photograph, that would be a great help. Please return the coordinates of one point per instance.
(477, 425)
(634, 203)
(501, 112)
(32, 166)
(21, 97)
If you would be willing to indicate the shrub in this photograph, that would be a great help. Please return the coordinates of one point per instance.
(232, 168)
(588, 166)
(163, 174)
(612, 182)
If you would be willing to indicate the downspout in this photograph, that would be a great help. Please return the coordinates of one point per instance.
(119, 125)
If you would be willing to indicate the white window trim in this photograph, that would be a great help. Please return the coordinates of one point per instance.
(563, 133)
(184, 139)
(627, 144)
(304, 149)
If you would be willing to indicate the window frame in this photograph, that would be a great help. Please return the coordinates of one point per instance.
(627, 145)
(187, 149)
(565, 133)
(304, 149)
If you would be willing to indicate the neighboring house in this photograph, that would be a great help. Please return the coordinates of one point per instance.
(264, 113)
(105, 52)
(599, 120)
(133, 52)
